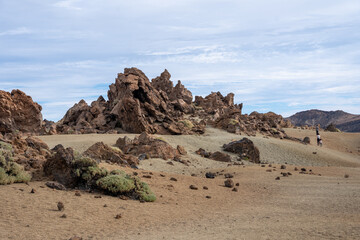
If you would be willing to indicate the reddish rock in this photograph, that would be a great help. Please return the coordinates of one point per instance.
(146, 144)
(221, 157)
(102, 152)
(18, 112)
(229, 183)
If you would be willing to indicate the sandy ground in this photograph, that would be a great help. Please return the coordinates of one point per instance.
(301, 206)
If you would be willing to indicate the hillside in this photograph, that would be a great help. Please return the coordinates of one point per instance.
(344, 121)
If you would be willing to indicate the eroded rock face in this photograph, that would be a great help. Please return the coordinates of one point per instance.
(245, 148)
(102, 152)
(135, 105)
(18, 112)
(216, 103)
(153, 147)
(59, 166)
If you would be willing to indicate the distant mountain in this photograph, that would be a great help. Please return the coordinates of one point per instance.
(344, 121)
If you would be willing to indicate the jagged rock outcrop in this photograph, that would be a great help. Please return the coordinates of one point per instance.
(135, 105)
(18, 112)
(217, 156)
(150, 146)
(269, 124)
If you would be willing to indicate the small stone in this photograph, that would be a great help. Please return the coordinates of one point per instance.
(135, 173)
(118, 216)
(210, 175)
(63, 216)
(277, 178)
(237, 184)
(269, 165)
(193, 175)
(228, 175)
(296, 169)
(97, 196)
(170, 163)
(205, 188)
(303, 169)
(283, 167)
(77, 193)
(60, 206)
(284, 174)
(263, 165)
(76, 238)
(314, 152)
(268, 170)
(193, 187)
(346, 176)
(122, 197)
(146, 176)
(229, 183)
(208, 197)
(173, 179)
(162, 175)
(234, 189)
(33, 191)
(105, 205)
(289, 173)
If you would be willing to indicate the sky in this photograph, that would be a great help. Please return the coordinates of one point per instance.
(275, 55)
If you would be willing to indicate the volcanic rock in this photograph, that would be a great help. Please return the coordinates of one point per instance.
(102, 152)
(245, 148)
(146, 144)
(229, 183)
(18, 112)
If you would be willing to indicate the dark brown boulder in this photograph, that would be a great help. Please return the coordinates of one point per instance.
(59, 166)
(221, 157)
(18, 112)
(245, 148)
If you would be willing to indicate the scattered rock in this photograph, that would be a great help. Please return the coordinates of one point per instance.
(60, 206)
(210, 175)
(205, 188)
(33, 191)
(105, 205)
(277, 178)
(63, 216)
(234, 189)
(229, 183)
(296, 169)
(146, 176)
(306, 140)
(208, 197)
(228, 175)
(237, 184)
(314, 152)
(303, 169)
(77, 193)
(97, 196)
(173, 179)
(162, 175)
(268, 170)
(76, 238)
(122, 197)
(283, 167)
(346, 175)
(284, 174)
(118, 216)
(193, 187)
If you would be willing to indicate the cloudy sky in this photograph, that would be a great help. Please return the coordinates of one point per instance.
(275, 55)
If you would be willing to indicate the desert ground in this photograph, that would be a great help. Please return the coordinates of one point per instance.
(320, 204)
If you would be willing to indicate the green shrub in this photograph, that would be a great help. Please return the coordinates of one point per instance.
(144, 192)
(11, 172)
(116, 184)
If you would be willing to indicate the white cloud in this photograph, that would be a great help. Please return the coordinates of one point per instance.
(16, 31)
(68, 4)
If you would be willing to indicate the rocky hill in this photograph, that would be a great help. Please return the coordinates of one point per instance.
(344, 121)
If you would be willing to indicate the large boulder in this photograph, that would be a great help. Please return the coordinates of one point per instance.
(245, 148)
(150, 146)
(102, 152)
(18, 112)
(60, 166)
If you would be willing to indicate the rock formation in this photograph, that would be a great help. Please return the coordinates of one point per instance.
(135, 105)
(149, 146)
(18, 112)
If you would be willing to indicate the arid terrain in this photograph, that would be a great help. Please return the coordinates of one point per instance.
(321, 203)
